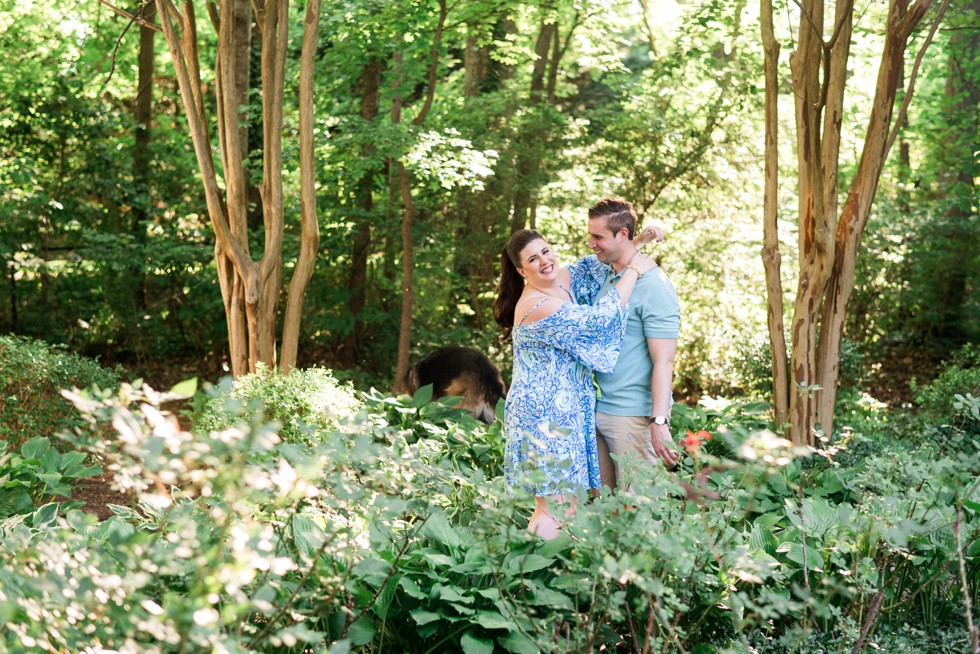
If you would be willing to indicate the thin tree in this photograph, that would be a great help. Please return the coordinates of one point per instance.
(250, 288)
(805, 380)
(408, 202)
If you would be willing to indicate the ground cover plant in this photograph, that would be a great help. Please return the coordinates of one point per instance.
(32, 375)
(391, 530)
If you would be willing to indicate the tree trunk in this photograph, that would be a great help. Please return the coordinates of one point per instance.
(141, 150)
(771, 257)
(408, 220)
(528, 157)
(828, 246)
(857, 208)
(408, 281)
(476, 61)
(310, 235)
(144, 117)
(370, 85)
(250, 289)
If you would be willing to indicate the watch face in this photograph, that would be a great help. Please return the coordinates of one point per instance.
(658, 420)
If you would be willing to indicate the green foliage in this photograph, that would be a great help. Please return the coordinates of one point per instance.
(303, 402)
(36, 475)
(958, 381)
(32, 376)
(385, 534)
(470, 443)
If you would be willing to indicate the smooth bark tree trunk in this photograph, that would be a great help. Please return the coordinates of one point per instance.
(250, 289)
(771, 257)
(142, 156)
(828, 240)
(144, 117)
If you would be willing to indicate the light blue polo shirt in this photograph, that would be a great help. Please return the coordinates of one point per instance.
(653, 312)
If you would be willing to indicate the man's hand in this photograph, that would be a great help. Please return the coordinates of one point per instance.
(650, 234)
(663, 444)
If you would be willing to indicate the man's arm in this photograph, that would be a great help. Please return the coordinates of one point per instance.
(662, 351)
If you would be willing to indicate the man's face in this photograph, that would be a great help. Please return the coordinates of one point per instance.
(608, 247)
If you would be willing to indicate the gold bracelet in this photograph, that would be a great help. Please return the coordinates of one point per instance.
(634, 269)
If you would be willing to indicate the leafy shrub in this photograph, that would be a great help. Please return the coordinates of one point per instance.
(751, 367)
(32, 375)
(302, 401)
(37, 474)
(961, 376)
(373, 537)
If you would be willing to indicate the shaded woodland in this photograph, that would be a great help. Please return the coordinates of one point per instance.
(434, 130)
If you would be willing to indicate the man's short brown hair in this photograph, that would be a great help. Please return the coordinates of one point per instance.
(619, 213)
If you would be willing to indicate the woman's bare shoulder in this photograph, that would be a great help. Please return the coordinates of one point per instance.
(533, 308)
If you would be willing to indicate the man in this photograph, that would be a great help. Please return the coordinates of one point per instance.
(633, 408)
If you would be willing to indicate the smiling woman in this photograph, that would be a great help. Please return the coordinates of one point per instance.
(549, 417)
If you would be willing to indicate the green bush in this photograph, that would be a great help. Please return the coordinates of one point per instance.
(373, 537)
(37, 475)
(961, 376)
(303, 401)
(32, 376)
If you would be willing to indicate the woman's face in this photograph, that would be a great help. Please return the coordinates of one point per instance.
(538, 261)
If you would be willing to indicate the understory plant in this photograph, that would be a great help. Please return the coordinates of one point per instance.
(32, 374)
(302, 402)
(392, 530)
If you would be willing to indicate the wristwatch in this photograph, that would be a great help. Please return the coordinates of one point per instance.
(659, 420)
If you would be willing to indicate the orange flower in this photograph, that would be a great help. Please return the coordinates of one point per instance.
(691, 442)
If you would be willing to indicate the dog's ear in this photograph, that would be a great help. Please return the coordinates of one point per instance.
(413, 379)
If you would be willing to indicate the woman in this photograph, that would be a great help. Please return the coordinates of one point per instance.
(549, 417)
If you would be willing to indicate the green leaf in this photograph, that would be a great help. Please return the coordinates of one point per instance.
(71, 459)
(763, 539)
(361, 632)
(546, 597)
(558, 544)
(756, 407)
(422, 396)
(473, 645)
(450, 594)
(411, 588)
(423, 617)
(35, 448)
(493, 620)
(437, 527)
(818, 516)
(794, 552)
(527, 563)
(15, 501)
(51, 461)
(307, 536)
(185, 389)
(518, 643)
(46, 516)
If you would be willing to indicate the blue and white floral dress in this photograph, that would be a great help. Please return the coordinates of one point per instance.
(549, 417)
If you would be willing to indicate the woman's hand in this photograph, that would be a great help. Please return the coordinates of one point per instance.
(642, 262)
(650, 234)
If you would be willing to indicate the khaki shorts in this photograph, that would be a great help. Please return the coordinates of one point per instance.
(628, 437)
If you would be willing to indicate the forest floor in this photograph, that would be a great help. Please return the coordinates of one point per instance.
(890, 384)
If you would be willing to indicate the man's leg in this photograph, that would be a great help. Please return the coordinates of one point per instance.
(622, 435)
(607, 468)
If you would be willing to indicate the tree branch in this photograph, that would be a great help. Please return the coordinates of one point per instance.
(134, 18)
(900, 118)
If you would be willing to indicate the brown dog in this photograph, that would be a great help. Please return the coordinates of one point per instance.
(465, 372)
